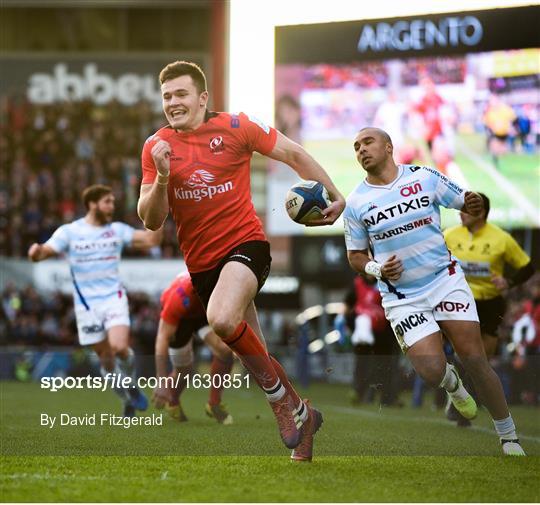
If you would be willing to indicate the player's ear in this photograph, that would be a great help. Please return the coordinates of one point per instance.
(203, 99)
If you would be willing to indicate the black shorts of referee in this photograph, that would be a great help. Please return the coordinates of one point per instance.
(491, 313)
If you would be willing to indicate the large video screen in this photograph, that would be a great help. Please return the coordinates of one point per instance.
(475, 116)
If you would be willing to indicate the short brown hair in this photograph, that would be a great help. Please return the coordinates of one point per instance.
(95, 193)
(180, 68)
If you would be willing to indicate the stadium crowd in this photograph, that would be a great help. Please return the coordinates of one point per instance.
(47, 320)
(50, 153)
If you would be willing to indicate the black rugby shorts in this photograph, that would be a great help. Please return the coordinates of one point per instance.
(255, 254)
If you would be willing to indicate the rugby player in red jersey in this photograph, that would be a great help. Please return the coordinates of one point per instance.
(199, 167)
(182, 316)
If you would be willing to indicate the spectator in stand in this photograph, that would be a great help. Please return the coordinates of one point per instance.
(524, 382)
(49, 153)
(26, 313)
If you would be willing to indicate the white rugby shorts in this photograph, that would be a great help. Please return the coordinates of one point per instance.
(451, 299)
(92, 325)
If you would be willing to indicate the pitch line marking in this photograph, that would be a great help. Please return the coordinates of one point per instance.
(47, 476)
(393, 417)
(516, 196)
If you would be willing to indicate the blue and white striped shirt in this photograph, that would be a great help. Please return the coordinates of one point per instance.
(94, 255)
(403, 218)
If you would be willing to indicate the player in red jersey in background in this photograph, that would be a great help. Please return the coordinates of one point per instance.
(199, 167)
(183, 316)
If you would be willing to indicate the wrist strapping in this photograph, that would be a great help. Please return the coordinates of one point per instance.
(373, 268)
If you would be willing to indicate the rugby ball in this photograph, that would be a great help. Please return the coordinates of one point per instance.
(306, 200)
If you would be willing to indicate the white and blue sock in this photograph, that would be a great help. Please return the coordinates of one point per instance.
(505, 428)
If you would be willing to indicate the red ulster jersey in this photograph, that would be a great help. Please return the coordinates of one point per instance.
(209, 186)
(180, 301)
(368, 301)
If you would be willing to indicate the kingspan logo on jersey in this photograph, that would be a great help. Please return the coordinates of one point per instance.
(199, 186)
(396, 210)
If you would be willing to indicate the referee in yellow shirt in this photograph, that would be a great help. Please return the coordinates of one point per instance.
(483, 250)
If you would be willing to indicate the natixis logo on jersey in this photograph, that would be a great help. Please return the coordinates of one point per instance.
(396, 210)
(200, 185)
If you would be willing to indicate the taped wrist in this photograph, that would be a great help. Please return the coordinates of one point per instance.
(373, 268)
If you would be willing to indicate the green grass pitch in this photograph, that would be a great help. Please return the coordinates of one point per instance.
(362, 454)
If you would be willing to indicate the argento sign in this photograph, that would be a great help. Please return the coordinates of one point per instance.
(421, 34)
(435, 34)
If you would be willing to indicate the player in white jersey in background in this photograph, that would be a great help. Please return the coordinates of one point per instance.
(393, 215)
(93, 246)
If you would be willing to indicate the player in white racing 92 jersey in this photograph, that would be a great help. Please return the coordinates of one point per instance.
(93, 247)
(392, 232)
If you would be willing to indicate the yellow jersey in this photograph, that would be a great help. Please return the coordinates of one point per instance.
(499, 118)
(483, 254)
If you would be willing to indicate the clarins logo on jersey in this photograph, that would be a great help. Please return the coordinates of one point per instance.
(404, 228)
(217, 146)
(199, 186)
(397, 210)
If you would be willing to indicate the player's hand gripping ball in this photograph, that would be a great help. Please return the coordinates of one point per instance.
(306, 200)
